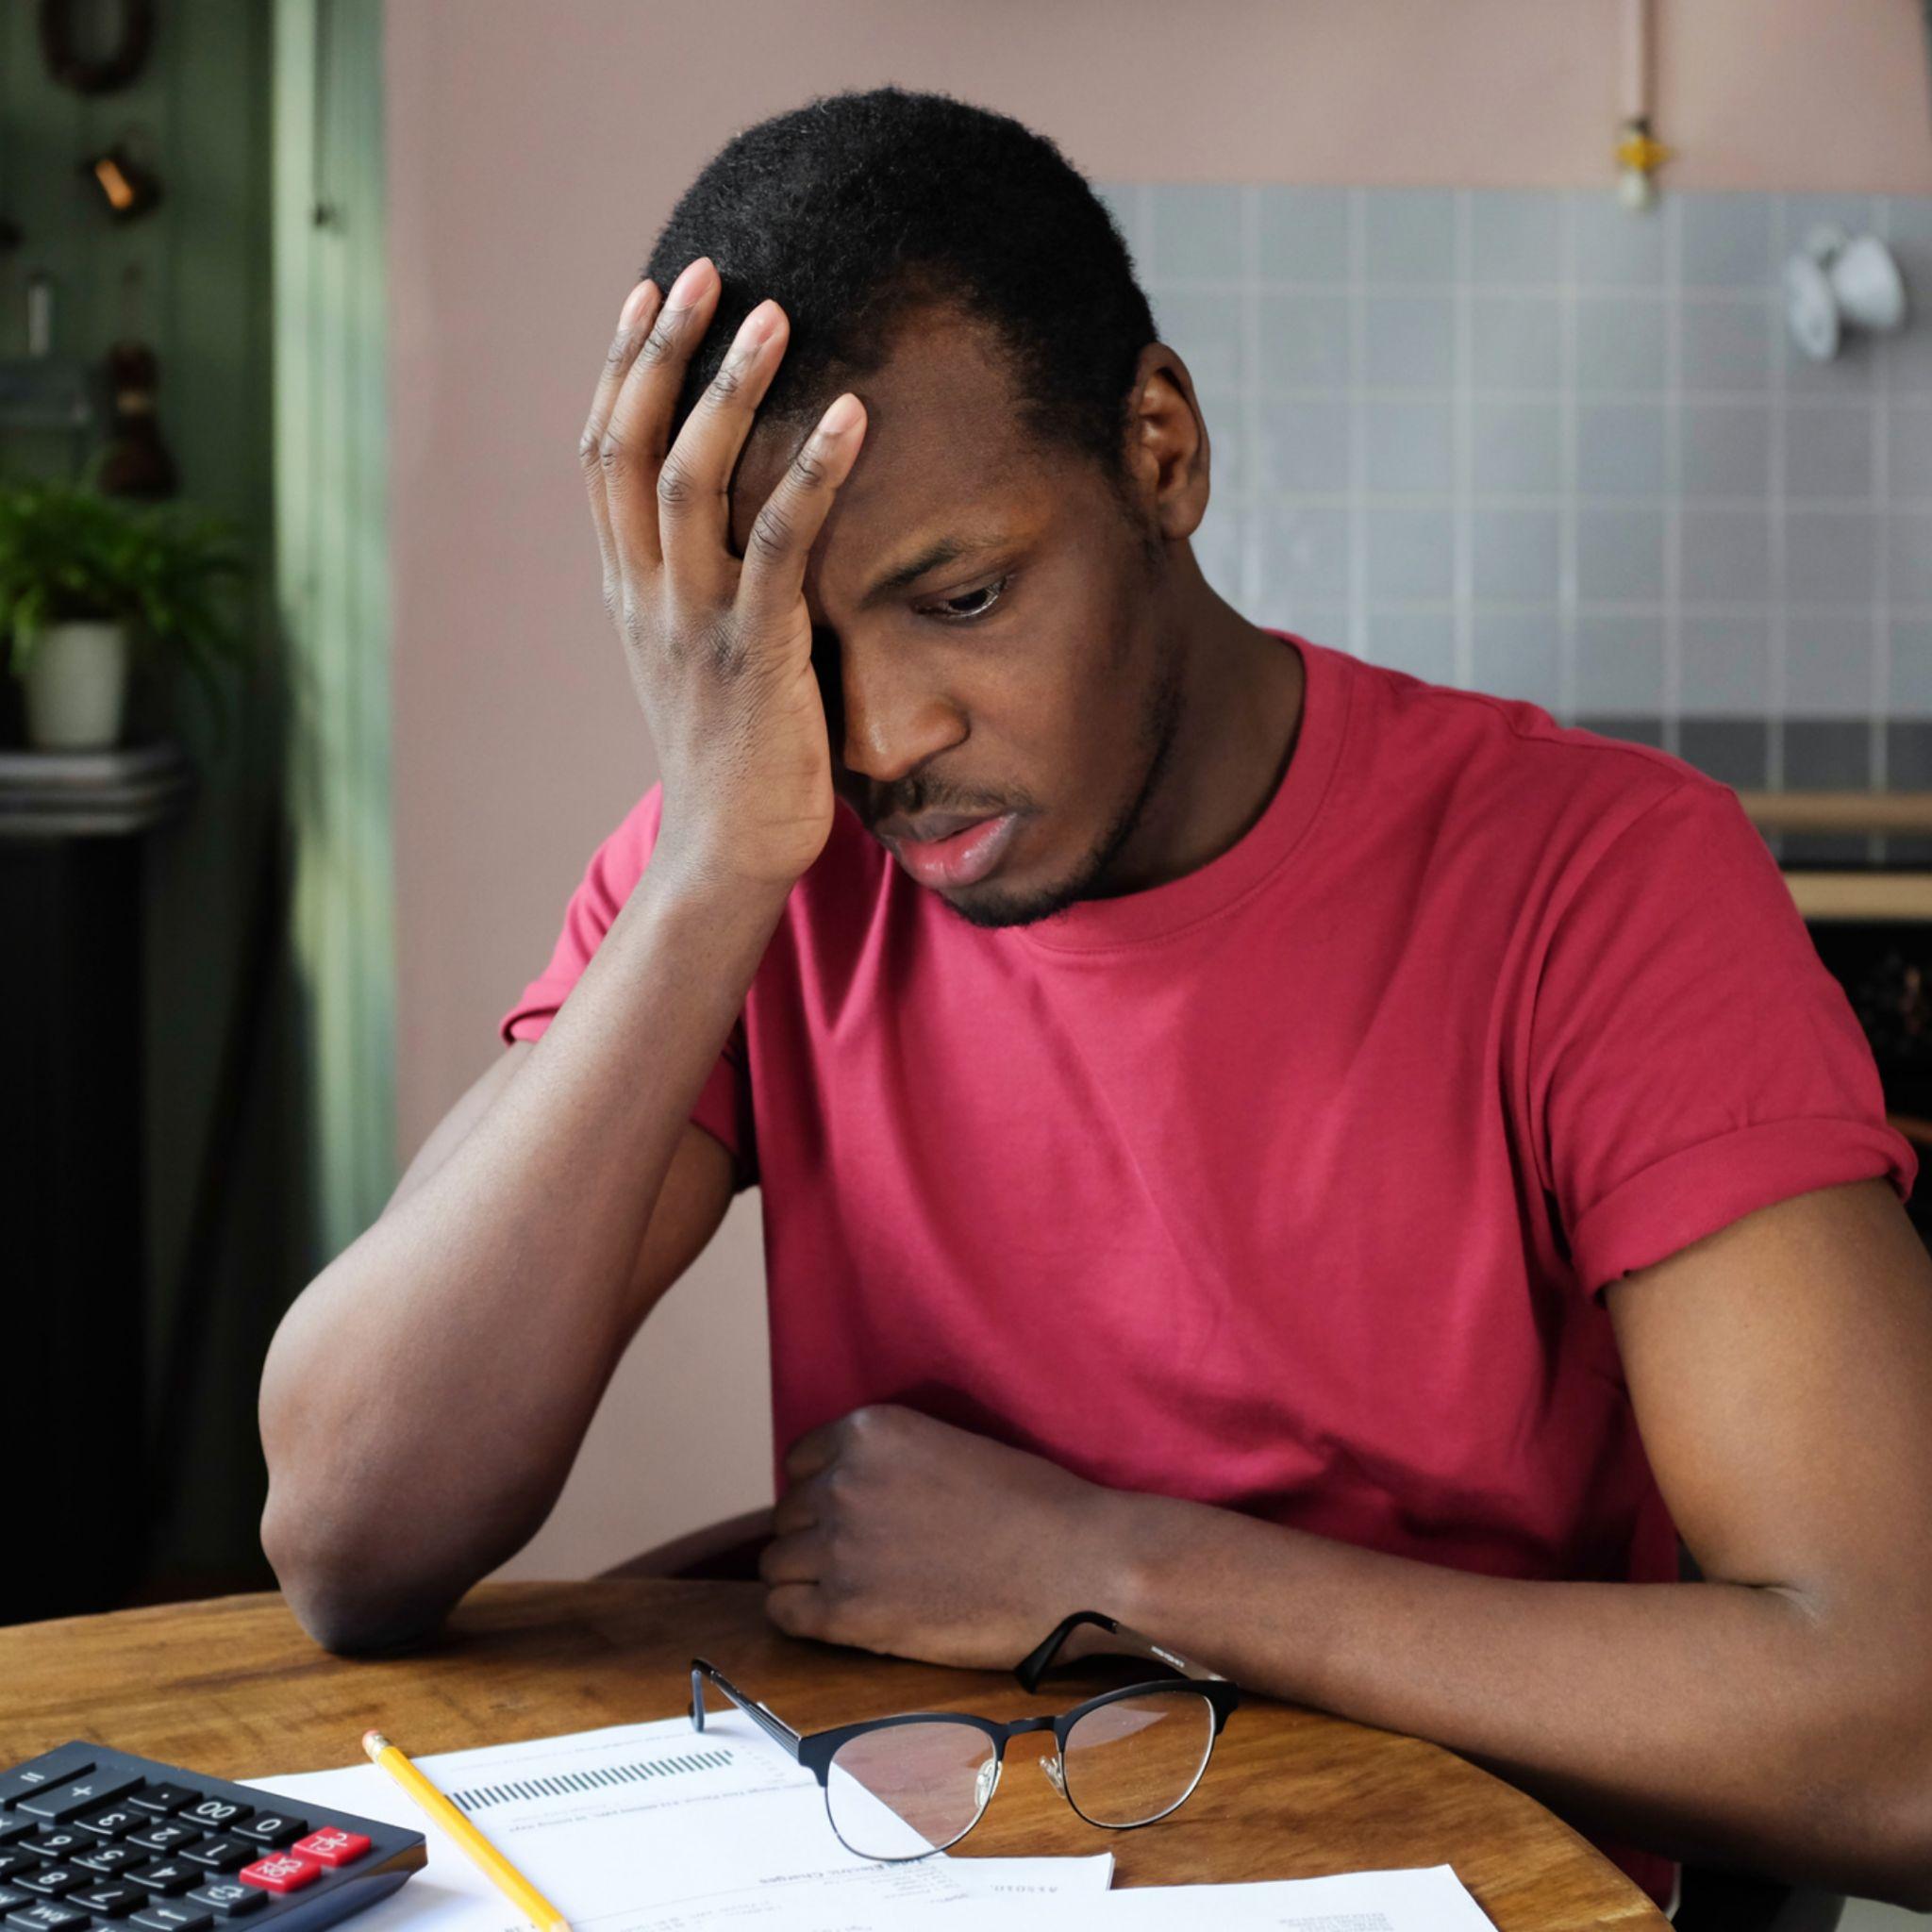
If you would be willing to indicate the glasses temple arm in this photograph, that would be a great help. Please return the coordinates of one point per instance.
(773, 1726)
(1125, 1640)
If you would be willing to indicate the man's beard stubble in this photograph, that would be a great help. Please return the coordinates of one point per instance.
(1160, 726)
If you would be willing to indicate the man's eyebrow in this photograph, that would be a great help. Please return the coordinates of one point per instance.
(945, 550)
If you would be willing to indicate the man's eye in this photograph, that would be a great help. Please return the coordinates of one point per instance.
(978, 602)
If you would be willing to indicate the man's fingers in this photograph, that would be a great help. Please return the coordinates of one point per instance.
(693, 495)
(797, 1609)
(815, 1450)
(797, 1508)
(797, 1559)
(784, 530)
(657, 503)
(633, 325)
(631, 449)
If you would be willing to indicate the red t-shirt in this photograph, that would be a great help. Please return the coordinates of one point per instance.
(1290, 1185)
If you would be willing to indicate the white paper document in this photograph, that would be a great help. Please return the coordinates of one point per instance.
(656, 1827)
(1425, 1899)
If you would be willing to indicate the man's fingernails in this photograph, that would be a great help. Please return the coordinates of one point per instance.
(684, 289)
(757, 327)
(840, 417)
(634, 303)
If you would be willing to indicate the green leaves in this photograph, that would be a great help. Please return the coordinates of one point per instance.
(67, 552)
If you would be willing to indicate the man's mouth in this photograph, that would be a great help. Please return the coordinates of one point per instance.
(950, 848)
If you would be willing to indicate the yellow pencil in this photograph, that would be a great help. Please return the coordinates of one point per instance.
(481, 1853)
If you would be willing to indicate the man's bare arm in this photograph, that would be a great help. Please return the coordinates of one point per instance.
(1777, 1715)
(424, 1399)
(453, 1129)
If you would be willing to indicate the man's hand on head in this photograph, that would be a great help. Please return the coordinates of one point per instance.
(910, 1536)
(719, 645)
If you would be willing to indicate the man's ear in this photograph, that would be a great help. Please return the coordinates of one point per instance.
(1167, 444)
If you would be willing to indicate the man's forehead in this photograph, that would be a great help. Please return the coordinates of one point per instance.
(943, 434)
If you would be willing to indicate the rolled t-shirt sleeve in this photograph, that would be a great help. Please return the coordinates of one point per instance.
(1691, 1058)
(724, 1106)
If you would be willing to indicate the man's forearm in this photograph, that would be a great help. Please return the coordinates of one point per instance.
(1782, 1719)
(424, 1396)
(1711, 1721)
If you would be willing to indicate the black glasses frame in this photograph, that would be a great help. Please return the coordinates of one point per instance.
(1071, 1640)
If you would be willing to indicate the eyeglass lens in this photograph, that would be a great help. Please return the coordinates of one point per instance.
(1133, 1760)
(909, 1790)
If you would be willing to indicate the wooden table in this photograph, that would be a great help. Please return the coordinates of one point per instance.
(234, 1688)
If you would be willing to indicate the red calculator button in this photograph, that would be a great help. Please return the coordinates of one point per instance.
(280, 1872)
(331, 1845)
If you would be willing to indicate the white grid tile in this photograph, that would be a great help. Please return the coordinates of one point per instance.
(1463, 401)
(1837, 483)
(1670, 214)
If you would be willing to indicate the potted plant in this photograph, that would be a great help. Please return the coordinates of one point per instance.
(90, 584)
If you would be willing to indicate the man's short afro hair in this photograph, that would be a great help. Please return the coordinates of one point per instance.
(850, 209)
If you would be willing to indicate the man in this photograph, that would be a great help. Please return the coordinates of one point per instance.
(1337, 1172)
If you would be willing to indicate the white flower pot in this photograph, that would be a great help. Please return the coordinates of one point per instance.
(77, 686)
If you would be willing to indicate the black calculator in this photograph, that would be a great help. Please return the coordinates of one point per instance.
(93, 1839)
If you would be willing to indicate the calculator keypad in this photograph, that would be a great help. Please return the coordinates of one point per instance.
(162, 1835)
(50, 1843)
(165, 1876)
(117, 1821)
(161, 1798)
(214, 1814)
(46, 1915)
(220, 1854)
(94, 1839)
(280, 1872)
(106, 1860)
(48, 1881)
(332, 1846)
(230, 1900)
(86, 1794)
(60, 1767)
(272, 1828)
(171, 1916)
(112, 1900)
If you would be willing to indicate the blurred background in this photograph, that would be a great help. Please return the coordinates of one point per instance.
(1567, 351)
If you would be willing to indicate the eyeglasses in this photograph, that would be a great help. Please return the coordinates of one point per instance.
(903, 1787)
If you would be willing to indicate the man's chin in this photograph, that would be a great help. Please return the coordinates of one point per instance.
(996, 902)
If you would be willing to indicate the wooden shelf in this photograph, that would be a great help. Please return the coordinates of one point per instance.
(1839, 811)
(1849, 893)
(1862, 894)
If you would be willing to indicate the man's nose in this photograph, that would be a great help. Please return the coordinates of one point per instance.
(888, 717)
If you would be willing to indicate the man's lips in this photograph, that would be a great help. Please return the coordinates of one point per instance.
(950, 848)
(929, 829)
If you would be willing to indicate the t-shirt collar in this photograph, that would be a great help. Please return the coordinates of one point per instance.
(1162, 911)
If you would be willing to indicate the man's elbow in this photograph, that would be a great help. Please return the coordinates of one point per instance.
(1895, 1738)
(1904, 1876)
(343, 1600)
(1869, 1823)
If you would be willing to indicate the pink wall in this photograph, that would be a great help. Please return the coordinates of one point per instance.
(534, 150)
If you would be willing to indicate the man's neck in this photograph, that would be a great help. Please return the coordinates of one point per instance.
(1240, 715)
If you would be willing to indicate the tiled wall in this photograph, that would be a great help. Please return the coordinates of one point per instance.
(1524, 441)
